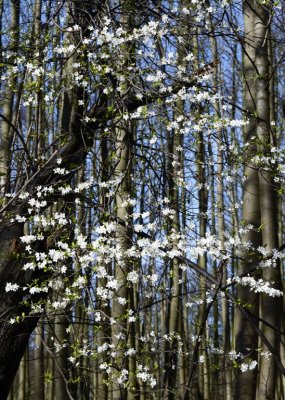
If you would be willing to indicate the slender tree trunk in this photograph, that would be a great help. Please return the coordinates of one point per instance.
(38, 378)
(221, 218)
(62, 365)
(122, 330)
(203, 379)
(202, 260)
(1, 42)
(271, 307)
(173, 169)
(49, 384)
(7, 108)
(123, 234)
(103, 334)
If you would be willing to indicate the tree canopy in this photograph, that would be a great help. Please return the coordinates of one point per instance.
(141, 188)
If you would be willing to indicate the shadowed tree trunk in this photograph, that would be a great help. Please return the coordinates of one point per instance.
(39, 361)
(173, 169)
(6, 131)
(246, 338)
(271, 307)
(14, 337)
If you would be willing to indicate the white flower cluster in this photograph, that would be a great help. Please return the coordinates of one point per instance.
(258, 286)
(123, 377)
(233, 355)
(30, 238)
(145, 376)
(248, 366)
(133, 277)
(60, 171)
(11, 287)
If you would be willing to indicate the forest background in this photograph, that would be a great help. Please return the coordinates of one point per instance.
(142, 199)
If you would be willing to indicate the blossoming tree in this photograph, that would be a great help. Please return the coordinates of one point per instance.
(141, 171)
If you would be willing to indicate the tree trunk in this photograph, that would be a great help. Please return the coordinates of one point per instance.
(7, 108)
(14, 337)
(39, 369)
(123, 235)
(246, 338)
(271, 307)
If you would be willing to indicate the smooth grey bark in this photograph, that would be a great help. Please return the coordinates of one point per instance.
(202, 259)
(246, 338)
(122, 330)
(7, 107)
(119, 329)
(203, 379)
(39, 363)
(173, 168)
(62, 381)
(221, 210)
(271, 307)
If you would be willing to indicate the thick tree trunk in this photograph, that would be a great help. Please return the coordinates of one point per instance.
(14, 337)
(271, 307)
(246, 338)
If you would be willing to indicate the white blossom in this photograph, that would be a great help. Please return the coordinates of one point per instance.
(11, 287)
